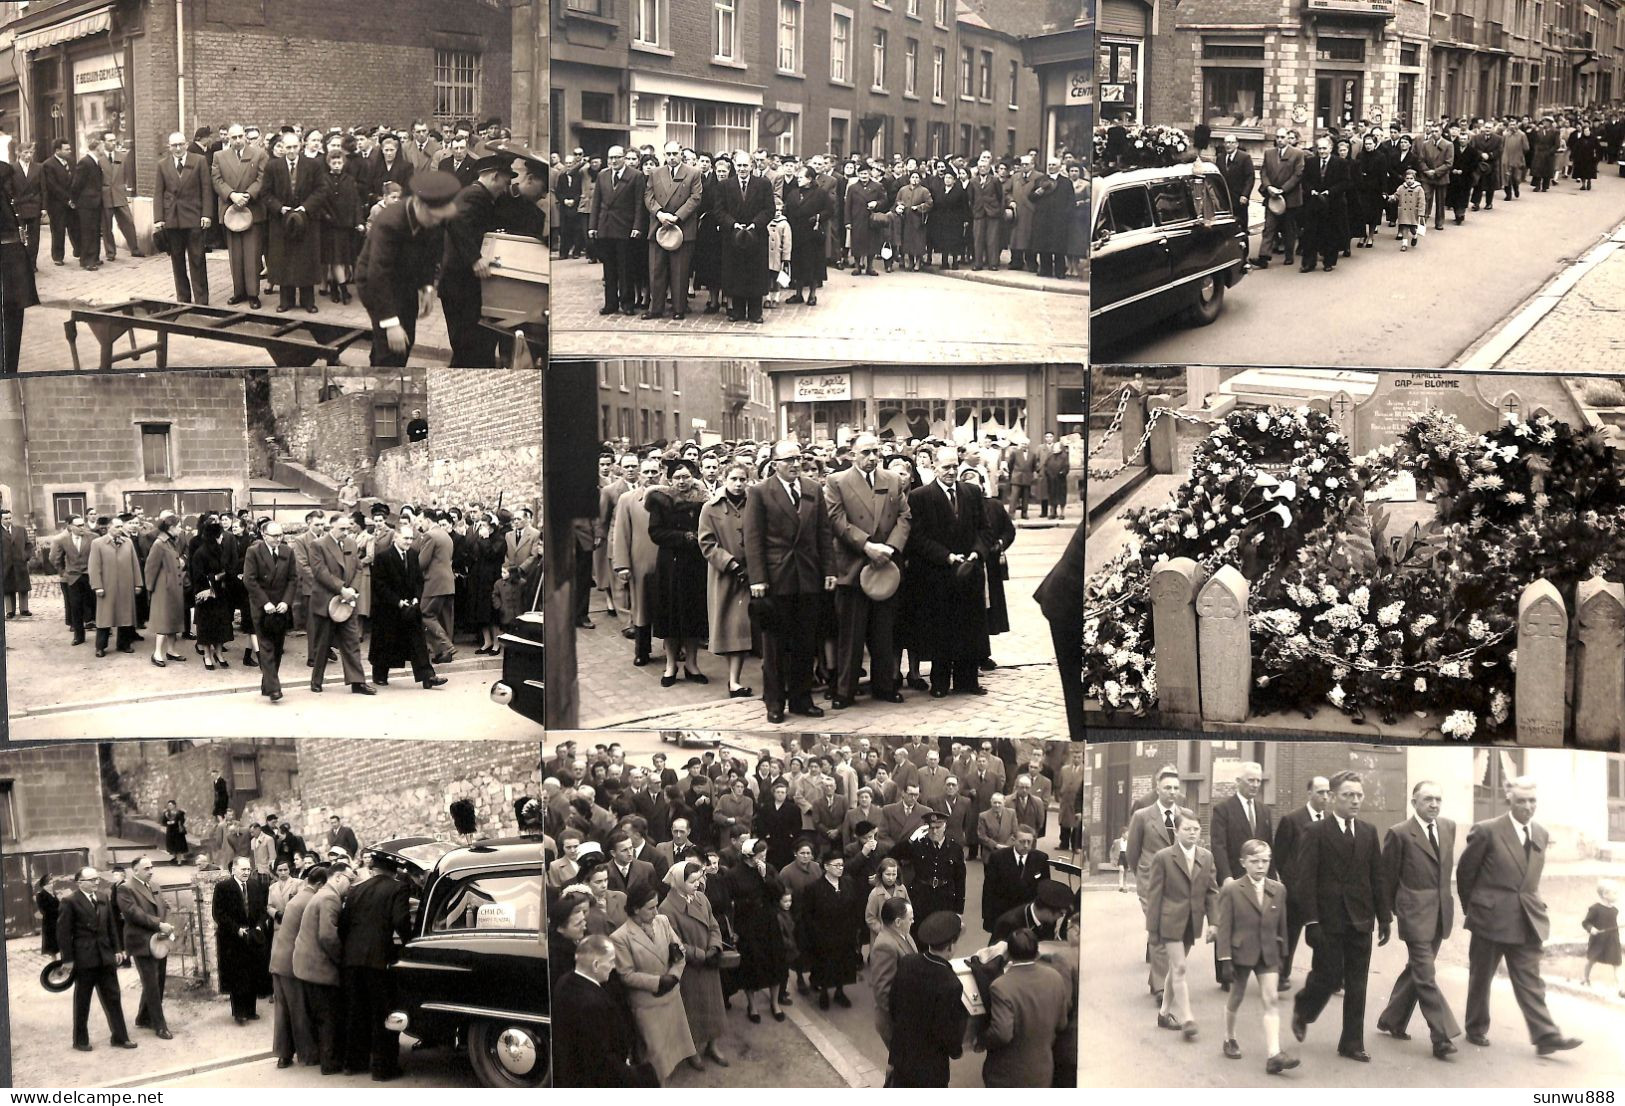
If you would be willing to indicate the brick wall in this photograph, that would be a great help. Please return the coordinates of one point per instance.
(82, 435)
(485, 438)
(56, 797)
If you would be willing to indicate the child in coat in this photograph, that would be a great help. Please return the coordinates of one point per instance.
(785, 917)
(1602, 925)
(1411, 199)
(1252, 942)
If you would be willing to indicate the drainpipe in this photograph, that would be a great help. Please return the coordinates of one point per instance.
(180, 66)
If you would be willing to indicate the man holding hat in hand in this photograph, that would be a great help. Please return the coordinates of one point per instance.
(869, 517)
(146, 939)
(672, 197)
(400, 262)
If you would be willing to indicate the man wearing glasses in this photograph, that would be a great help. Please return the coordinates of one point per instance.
(89, 940)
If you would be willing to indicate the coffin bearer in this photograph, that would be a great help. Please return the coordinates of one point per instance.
(472, 346)
(400, 261)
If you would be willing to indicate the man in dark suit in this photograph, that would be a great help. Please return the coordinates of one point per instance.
(1499, 883)
(333, 566)
(1282, 177)
(1340, 869)
(400, 262)
(88, 937)
(57, 174)
(627, 872)
(144, 911)
(70, 557)
(270, 577)
(987, 199)
(115, 198)
(672, 196)
(927, 1012)
(619, 220)
(377, 915)
(1326, 180)
(947, 543)
(243, 938)
(183, 202)
(1237, 170)
(1010, 877)
(1238, 819)
(464, 266)
(342, 836)
(1289, 833)
(790, 556)
(593, 1038)
(1052, 901)
(567, 192)
(745, 206)
(1417, 858)
(29, 198)
(86, 190)
(868, 515)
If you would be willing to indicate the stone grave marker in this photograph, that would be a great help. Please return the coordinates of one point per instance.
(1402, 397)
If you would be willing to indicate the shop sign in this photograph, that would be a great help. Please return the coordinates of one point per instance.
(1358, 7)
(97, 74)
(824, 386)
(1077, 86)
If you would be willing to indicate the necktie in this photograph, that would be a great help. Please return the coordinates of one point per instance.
(953, 498)
(869, 476)
(1168, 818)
(1433, 838)
(795, 496)
(1528, 841)
(177, 165)
(1348, 830)
(1247, 805)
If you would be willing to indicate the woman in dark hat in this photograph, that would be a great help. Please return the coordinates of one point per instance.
(208, 570)
(488, 548)
(722, 543)
(679, 615)
(756, 891)
(708, 247)
(832, 930)
(808, 208)
(1001, 535)
(166, 611)
(566, 926)
(905, 626)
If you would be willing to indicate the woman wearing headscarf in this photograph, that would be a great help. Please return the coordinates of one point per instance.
(566, 927)
(721, 538)
(808, 208)
(166, 615)
(762, 963)
(689, 911)
(913, 207)
(1001, 535)
(207, 568)
(652, 964)
(832, 931)
(679, 609)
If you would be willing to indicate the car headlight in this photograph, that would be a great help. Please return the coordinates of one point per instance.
(397, 1022)
(501, 694)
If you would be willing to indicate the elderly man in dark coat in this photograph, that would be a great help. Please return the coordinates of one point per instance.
(947, 546)
(1053, 200)
(744, 208)
(292, 194)
(242, 938)
(87, 935)
(15, 549)
(377, 914)
(397, 614)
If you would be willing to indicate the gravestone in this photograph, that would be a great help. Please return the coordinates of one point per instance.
(1174, 585)
(1225, 652)
(1162, 449)
(1401, 398)
(1340, 409)
(1133, 426)
(1599, 692)
(1538, 688)
(1511, 407)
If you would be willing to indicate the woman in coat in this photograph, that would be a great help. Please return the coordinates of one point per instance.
(607, 911)
(1370, 189)
(888, 886)
(651, 965)
(173, 820)
(689, 911)
(1001, 536)
(808, 208)
(208, 569)
(912, 208)
(1585, 151)
(166, 616)
(343, 220)
(865, 206)
(679, 609)
(950, 211)
(778, 823)
(708, 244)
(721, 537)
(1077, 238)
(566, 928)
(832, 931)
(488, 545)
(762, 962)
(397, 618)
(1463, 171)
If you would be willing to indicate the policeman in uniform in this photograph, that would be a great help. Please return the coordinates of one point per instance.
(472, 346)
(939, 870)
(377, 911)
(400, 263)
(17, 288)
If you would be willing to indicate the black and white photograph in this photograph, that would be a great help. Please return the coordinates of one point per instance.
(1395, 555)
(296, 183)
(788, 914)
(275, 551)
(798, 178)
(275, 914)
(884, 549)
(1302, 915)
(1358, 183)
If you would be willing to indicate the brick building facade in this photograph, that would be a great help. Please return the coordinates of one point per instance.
(51, 822)
(107, 444)
(915, 77)
(708, 401)
(1582, 795)
(84, 65)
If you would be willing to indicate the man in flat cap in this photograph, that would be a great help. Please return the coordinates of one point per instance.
(472, 346)
(400, 262)
(927, 1010)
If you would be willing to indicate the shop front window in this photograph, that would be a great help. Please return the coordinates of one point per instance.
(1233, 97)
(99, 102)
(1117, 68)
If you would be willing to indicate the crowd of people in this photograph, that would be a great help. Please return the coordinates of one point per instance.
(1322, 874)
(409, 581)
(398, 214)
(814, 559)
(673, 898)
(1323, 202)
(743, 228)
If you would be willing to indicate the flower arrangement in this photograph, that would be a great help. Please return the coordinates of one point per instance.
(1342, 611)
(1140, 146)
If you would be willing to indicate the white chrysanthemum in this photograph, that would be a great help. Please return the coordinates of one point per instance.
(1500, 706)
(1420, 684)
(1390, 615)
(1336, 695)
(1360, 597)
(1461, 725)
(1478, 629)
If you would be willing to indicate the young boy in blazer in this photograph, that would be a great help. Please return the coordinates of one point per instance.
(1252, 941)
(1179, 909)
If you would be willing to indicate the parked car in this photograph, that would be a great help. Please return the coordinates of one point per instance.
(1164, 243)
(474, 974)
(520, 688)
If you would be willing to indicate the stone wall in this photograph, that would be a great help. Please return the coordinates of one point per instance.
(56, 798)
(150, 775)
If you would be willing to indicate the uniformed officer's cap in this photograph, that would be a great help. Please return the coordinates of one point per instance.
(1053, 895)
(939, 928)
(494, 163)
(932, 817)
(514, 148)
(436, 187)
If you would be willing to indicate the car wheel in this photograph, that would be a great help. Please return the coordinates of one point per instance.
(1209, 301)
(506, 1054)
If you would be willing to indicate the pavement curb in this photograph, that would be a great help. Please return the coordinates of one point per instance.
(169, 1074)
(835, 1046)
(456, 667)
(1071, 286)
(1516, 327)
